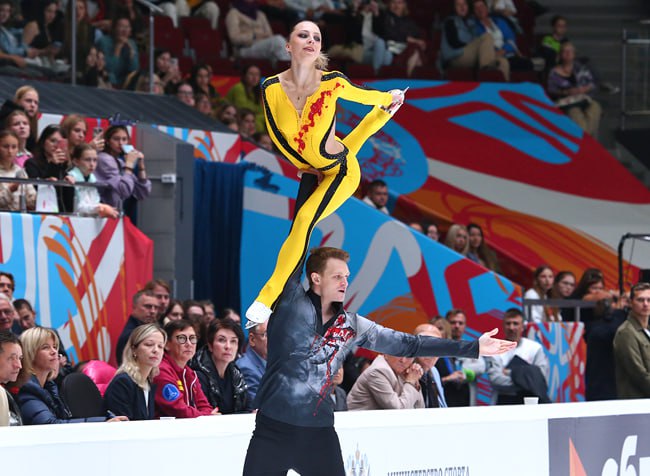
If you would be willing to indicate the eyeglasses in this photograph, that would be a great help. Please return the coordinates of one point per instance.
(7, 312)
(182, 338)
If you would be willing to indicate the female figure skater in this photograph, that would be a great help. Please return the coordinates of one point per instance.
(300, 107)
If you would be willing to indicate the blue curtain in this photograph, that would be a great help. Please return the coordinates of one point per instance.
(218, 211)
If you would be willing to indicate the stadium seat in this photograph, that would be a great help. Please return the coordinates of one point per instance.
(82, 396)
(188, 24)
(206, 44)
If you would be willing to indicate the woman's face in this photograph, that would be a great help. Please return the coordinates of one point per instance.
(305, 41)
(566, 285)
(432, 232)
(101, 60)
(149, 352)
(545, 279)
(81, 10)
(247, 125)
(203, 105)
(481, 10)
(461, 240)
(163, 62)
(252, 77)
(49, 14)
(116, 141)
(47, 357)
(567, 54)
(123, 29)
(224, 346)
(29, 103)
(182, 346)
(596, 287)
(475, 238)
(229, 115)
(20, 126)
(51, 144)
(87, 163)
(77, 134)
(176, 313)
(203, 78)
(8, 150)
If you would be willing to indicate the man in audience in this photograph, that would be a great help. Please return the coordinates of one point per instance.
(632, 347)
(430, 383)
(11, 356)
(377, 196)
(520, 372)
(7, 284)
(161, 291)
(253, 363)
(458, 374)
(389, 383)
(145, 311)
(7, 313)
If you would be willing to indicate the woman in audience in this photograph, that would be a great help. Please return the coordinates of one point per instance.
(227, 115)
(27, 98)
(86, 199)
(39, 399)
(571, 84)
(178, 392)
(167, 70)
(95, 73)
(174, 312)
(122, 168)
(202, 104)
(247, 94)
(10, 193)
(479, 252)
(230, 313)
(51, 162)
(443, 326)
(246, 123)
(458, 239)
(221, 380)
(591, 287)
(542, 284)
(42, 35)
(131, 392)
(563, 286)
(75, 129)
(18, 122)
(120, 52)
(86, 33)
(200, 81)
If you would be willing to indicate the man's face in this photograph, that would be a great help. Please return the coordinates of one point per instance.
(6, 287)
(641, 304)
(26, 317)
(7, 314)
(398, 364)
(162, 295)
(259, 340)
(146, 309)
(457, 323)
(5, 13)
(379, 196)
(513, 328)
(427, 363)
(560, 28)
(11, 356)
(333, 283)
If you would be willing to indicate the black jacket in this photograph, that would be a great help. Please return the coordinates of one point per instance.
(39, 169)
(129, 327)
(123, 397)
(205, 370)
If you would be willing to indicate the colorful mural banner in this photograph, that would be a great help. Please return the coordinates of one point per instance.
(78, 273)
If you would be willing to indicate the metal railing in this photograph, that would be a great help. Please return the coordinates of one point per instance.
(576, 304)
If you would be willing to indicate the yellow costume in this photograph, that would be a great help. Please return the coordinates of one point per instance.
(301, 137)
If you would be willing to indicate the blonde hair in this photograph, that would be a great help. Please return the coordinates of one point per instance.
(32, 340)
(21, 91)
(322, 60)
(69, 122)
(450, 239)
(130, 364)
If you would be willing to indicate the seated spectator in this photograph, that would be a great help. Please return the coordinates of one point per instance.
(443, 326)
(251, 35)
(120, 52)
(142, 84)
(504, 38)
(479, 251)
(178, 392)
(416, 226)
(313, 10)
(74, 129)
(404, 43)
(43, 36)
(461, 48)
(389, 383)
(122, 168)
(210, 314)
(13, 196)
(162, 292)
(221, 380)
(194, 311)
(230, 313)
(542, 284)
(11, 356)
(131, 392)
(263, 140)
(135, 12)
(278, 10)
(521, 372)
(458, 239)
(564, 284)
(246, 123)
(185, 94)
(202, 104)
(253, 363)
(433, 392)
(246, 94)
(167, 70)
(432, 231)
(95, 73)
(227, 115)
(571, 85)
(86, 32)
(7, 311)
(550, 46)
(86, 199)
(7, 285)
(200, 82)
(507, 10)
(18, 122)
(377, 196)
(200, 8)
(51, 162)
(27, 98)
(145, 310)
(174, 312)
(39, 399)
(26, 315)
(338, 395)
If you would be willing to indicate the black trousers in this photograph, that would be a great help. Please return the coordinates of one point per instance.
(277, 447)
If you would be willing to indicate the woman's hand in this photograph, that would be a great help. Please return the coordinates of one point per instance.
(132, 158)
(106, 211)
(70, 179)
(59, 156)
(98, 142)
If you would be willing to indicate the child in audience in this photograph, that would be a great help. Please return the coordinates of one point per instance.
(10, 193)
(86, 199)
(18, 122)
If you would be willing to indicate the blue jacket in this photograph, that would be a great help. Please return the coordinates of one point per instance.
(43, 405)
(123, 397)
(509, 36)
(252, 367)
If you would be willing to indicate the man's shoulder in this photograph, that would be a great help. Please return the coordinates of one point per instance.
(527, 343)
